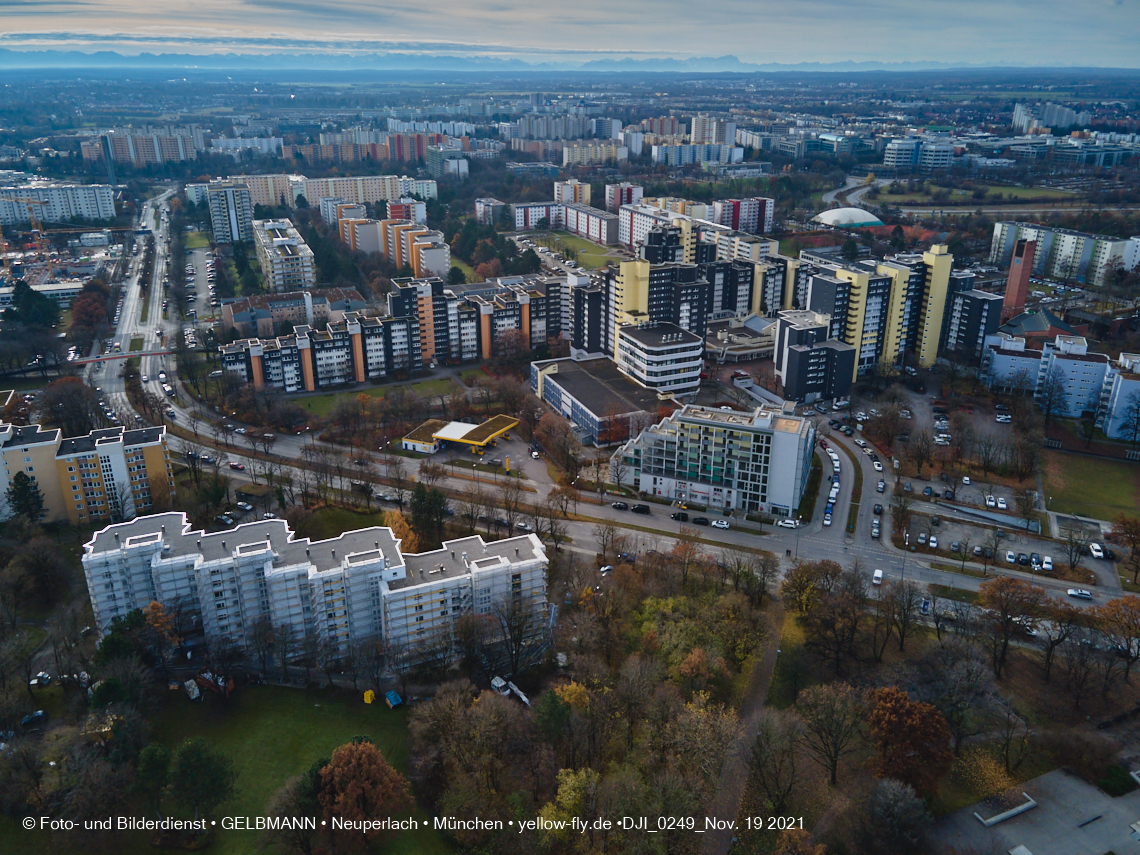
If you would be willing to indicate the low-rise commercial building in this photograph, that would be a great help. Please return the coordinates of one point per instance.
(603, 405)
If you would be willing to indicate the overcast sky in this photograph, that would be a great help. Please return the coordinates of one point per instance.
(1022, 32)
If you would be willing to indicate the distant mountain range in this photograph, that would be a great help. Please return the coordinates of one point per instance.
(425, 62)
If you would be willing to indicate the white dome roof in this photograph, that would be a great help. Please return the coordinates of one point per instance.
(847, 217)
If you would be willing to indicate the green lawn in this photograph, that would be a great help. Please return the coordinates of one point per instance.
(271, 734)
(329, 522)
(322, 405)
(1091, 486)
(590, 254)
(196, 240)
(137, 342)
(467, 269)
(1027, 194)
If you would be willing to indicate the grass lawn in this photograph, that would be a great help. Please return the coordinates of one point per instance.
(24, 384)
(467, 269)
(329, 522)
(1090, 486)
(434, 388)
(137, 342)
(807, 502)
(1026, 194)
(793, 673)
(947, 593)
(196, 240)
(589, 253)
(322, 405)
(271, 734)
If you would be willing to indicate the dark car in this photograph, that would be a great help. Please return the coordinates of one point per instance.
(928, 491)
(620, 506)
(1109, 554)
(680, 516)
(641, 509)
(988, 551)
(948, 494)
(1023, 559)
(39, 717)
(878, 509)
(1035, 559)
(936, 521)
(700, 521)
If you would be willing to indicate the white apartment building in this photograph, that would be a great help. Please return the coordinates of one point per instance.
(355, 587)
(1087, 378)
(286, 260)
(55, 203)
(758, 461)
(231, 211)
(1119, 415)
(661, 356)
(1063, 253)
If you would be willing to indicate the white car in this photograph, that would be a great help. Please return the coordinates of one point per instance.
(788, 523)
(1079, 594)
(991, 502)
(720, 523)
(1047, 563)
(827, 519)
(966, 479)
(933, 541)
(1002, 505)
(145, 378)
(1010, 557)
(244, 506)
(1096, 550)
(878, 466)
(861, 443)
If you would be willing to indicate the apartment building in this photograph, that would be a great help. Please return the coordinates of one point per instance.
(971, 317)
(356, 587)
(146, 146)
(705, 129)
(623, 194)
(688, 155)
(754, 462)
(286, 189)
(231, 211)
(1061, 254)
(334, 210)
(352, 350)
(572, 190)
(407, 242)
(1119, 415)
(488, 211)
(286, 260)
(110, 474)
(407, 208)
(448, 332)
(55, 202)
(810, 364)
(590, 152)
(262, 314)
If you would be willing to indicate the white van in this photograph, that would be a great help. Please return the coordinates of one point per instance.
(877, 578)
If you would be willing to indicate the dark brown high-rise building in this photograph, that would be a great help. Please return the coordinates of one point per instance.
(1017, 285)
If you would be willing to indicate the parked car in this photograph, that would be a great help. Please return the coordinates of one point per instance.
(878, 466)
(877, 577)
(922, 538)
(722, 524)
(881, 487)
(827, 519)
(788, 523)
(700, 521)
(680, 516)
(1047, 563)
(240, 467)
(1096, 550)
(933, 542)
(39, 717)
(609, 568)
(641, 509)
(619, 506)
(991, 502)
(1079, 594)
(1002, 505)
(244, 506)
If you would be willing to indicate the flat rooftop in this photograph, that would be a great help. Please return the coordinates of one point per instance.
(599, 385)
(449, 563)
(661, 335)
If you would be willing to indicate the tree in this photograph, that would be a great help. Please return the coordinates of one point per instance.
(1053, 395)
(832, 715)
(296, 797)
(359, 784)
(1008, 604)
(1026, 502)
(903, 603)
(894, 820)
(1013, 734)
(607, 535)
(850, 250)
(1126, 532)
(901, 505)
(1119, 619)
(200, 777)
(24, 497)
(1061, 621)
(153, 771)
(1130, 419)
(912, 739)
(773, 758)
(920, 448)
(428, 510)
(1074, 543)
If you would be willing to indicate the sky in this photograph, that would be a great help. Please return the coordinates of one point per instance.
(970, 32)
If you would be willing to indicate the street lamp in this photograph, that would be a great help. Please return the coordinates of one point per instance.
(475, 472)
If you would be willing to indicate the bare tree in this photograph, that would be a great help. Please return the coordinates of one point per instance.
(516, 628)
(1053, 395)
(511, 500)
(397, 477)
(774, 758)
(607, 533)
(920, 448)
(832, 716)
(1074, 542)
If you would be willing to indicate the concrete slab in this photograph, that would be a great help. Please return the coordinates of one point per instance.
(1054, 827)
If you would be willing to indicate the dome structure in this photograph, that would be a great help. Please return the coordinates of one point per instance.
(847, 218)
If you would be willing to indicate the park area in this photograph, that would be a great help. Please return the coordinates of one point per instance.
(1090, 486)
(196, 240)
(587, 253)
(271, 733)
(994, 194)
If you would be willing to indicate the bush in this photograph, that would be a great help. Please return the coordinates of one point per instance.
(1116, 781)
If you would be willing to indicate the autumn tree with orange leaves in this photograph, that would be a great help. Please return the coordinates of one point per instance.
(359, 784)
(911, 739)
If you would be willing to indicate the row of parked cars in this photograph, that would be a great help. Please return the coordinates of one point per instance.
(683, 516)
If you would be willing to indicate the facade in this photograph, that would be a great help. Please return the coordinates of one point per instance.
(572, 190)
(915, 153)
(1017, 283)
(528, 215)
(1119, 415)
(971, 318)
(704, 129)
(352, 350)
(1061, 253)
(356, 587)
(661, 356)
(488, 211)
(689, 155)
(231, 211)
(623, 194)
(286, 260)
(590, 152)
(811, 365)
(55, 203)
(754, 462)
(591, 223)
(753, 215)
(107, 475)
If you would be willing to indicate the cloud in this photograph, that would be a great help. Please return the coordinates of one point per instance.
(972, 31)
